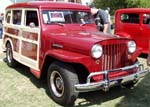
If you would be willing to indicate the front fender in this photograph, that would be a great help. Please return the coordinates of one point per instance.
(136, 54)
(71, 57)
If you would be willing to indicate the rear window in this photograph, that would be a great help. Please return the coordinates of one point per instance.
(130, 18)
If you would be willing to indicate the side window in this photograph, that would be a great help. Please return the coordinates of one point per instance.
(17, 17)
(146, 18)
(31, 18)
(7, 17)
(130, 18)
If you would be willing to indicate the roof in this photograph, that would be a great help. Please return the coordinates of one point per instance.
(49, 5)
(134, 10)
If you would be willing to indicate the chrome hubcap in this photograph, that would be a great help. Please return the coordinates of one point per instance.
(57, 84)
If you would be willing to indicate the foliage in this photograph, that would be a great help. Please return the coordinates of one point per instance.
(138, 3)
(117, 4)
(133, 3)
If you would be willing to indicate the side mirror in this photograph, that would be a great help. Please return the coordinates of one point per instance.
(32, 25)
(149, 23)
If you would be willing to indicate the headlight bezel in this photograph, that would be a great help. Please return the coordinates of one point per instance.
(131, 46)
(96, 51)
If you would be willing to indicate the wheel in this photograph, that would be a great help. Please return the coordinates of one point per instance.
(61, 80)
(9, 56)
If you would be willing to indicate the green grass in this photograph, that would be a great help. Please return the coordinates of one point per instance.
(19, 88)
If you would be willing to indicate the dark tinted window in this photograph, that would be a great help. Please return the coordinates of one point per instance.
(130, 18)
(17, 17)
(146, 18)
(31, 17)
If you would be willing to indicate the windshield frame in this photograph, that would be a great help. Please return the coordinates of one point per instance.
(67, 17)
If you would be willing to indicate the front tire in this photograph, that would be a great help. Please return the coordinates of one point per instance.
(61, 80)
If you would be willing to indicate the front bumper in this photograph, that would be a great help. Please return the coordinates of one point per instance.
(107, 83)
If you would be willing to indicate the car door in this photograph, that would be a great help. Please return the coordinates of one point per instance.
(145, 32)
(131, 25)
(12, 26)
(30, 39)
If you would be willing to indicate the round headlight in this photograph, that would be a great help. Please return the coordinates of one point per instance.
(131, 46)
(96, 51)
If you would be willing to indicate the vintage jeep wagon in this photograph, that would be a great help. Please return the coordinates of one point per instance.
(134, 23)
(60, 42)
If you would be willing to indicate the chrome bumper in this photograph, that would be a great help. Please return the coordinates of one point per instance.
(107, 83)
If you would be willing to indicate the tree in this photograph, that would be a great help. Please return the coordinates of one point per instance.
(138, 3)
(117, 4)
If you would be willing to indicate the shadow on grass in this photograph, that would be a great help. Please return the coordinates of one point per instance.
(139, 96)
(26, 72)
(143, 56)
(99, 97)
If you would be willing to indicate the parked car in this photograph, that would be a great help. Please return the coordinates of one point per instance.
(134, 23)
(60, 42)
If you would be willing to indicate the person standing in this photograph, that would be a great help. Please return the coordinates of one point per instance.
(101, 19)
(1, 25)
(108, 13)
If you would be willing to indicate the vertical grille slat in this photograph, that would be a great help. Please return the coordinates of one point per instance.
(110, 56)
(115, 63)
(113, 55)
(113, 58)
(108, 64)
(117, 54)
(106, 59)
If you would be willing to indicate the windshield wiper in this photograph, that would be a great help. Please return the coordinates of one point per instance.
(85, 23)
(61, 24)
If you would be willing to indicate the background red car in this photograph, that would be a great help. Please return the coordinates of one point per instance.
(134, 23)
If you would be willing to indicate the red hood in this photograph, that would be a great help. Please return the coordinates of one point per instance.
(79, 41)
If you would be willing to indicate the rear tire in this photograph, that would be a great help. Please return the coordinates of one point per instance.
(61, 80)
(9, 56)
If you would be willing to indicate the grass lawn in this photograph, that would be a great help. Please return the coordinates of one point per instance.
(19, 88)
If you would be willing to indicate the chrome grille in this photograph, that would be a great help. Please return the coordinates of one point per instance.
(114, 56)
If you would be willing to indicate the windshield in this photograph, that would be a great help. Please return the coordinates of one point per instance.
(66, 17)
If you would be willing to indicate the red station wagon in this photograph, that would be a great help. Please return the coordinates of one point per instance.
(60, 42)
(134, 23)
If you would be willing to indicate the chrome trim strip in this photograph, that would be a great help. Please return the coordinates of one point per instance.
(57, 45)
